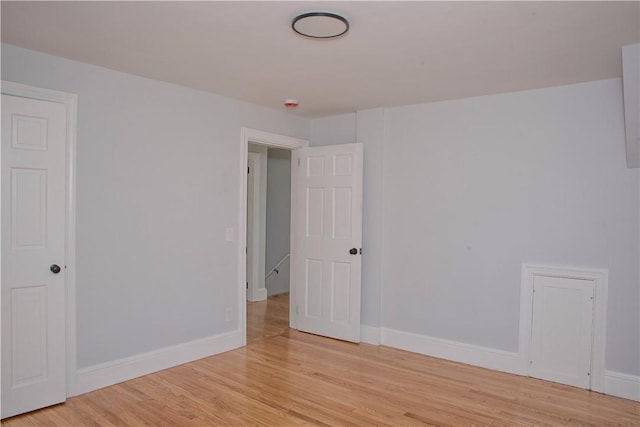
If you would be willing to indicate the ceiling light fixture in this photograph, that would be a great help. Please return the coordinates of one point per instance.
(291, 103)
(320, 25)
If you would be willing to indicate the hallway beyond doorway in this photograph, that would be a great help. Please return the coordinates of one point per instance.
(267, 318)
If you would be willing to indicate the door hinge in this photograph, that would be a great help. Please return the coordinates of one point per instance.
(298, 161)
(248, 169)
(247, 285)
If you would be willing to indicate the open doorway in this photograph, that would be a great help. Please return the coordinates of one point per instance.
(326, 232)
(268, 241)
(268, 140)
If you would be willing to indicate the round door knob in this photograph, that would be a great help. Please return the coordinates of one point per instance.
(55, 268)
(353, 251)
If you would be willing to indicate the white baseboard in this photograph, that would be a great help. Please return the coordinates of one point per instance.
(370, 334)
(615, 383)
(622, 385)
(255, 295)
(110, 373)
(470, 354)
(106, 374)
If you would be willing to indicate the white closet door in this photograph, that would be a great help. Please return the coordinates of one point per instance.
(562, 330)
(33, 247)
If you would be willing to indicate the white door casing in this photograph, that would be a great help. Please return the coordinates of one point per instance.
(258, 137)
(34, 140)
(328, 203)
(562, 329)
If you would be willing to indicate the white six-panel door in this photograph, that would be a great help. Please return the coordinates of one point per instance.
(328, 201)
(33, 242)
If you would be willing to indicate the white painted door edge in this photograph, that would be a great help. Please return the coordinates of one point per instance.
(256, 290)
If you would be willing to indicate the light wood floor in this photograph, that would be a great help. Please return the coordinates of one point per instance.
(266, 319)
(284, 377)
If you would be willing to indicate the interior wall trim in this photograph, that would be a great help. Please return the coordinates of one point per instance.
(622, 385)
(128, 368)
(498, 360)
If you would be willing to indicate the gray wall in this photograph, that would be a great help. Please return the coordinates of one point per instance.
(332, 130)
(457, 196)
(473, 188)
(278, 219)
(157, 186)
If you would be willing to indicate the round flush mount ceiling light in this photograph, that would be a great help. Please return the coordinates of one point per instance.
(320, 25)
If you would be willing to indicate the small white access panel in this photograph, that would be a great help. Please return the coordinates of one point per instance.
(562, 330)
(33, 248)
(328, 240)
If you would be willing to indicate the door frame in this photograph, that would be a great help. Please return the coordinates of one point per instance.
(600, 279)
(70, 101)
(258, 137)
(256, 291)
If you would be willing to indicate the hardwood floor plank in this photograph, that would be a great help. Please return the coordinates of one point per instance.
(285, 378)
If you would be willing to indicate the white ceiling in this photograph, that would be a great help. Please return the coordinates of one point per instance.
(396, 53)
